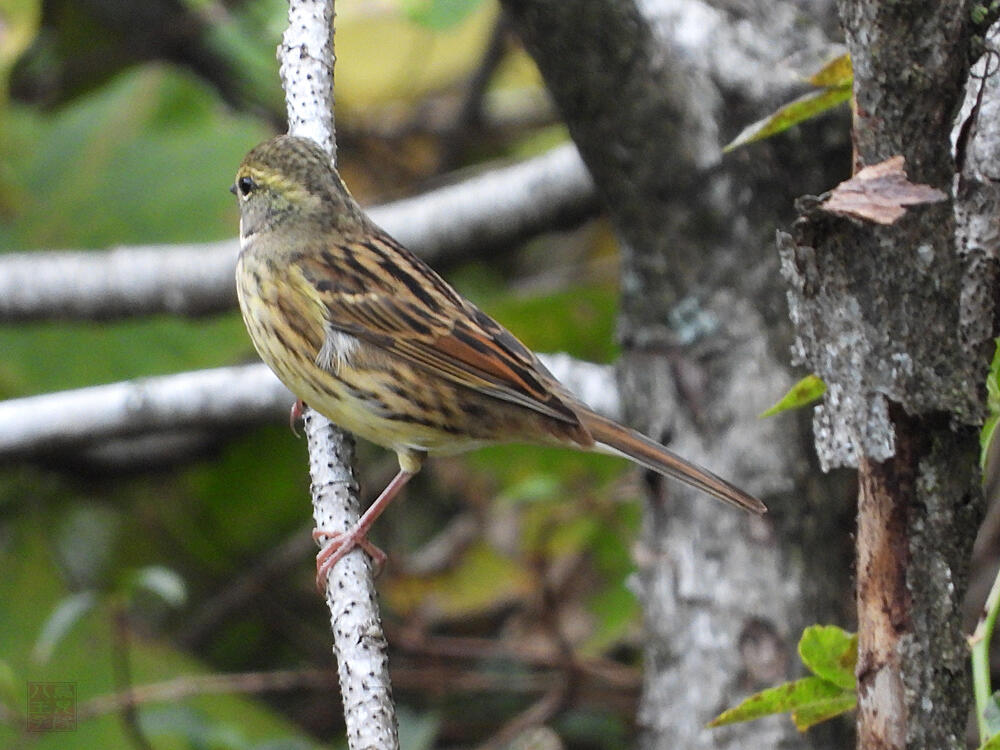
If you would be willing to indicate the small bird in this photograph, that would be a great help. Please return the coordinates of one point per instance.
(362, 330)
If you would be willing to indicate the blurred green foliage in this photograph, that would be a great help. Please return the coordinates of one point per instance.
(139, 146)
(83, 656)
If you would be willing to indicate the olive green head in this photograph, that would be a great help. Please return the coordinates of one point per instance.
(290, 178)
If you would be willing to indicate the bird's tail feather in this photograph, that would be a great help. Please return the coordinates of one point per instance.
(650, 454)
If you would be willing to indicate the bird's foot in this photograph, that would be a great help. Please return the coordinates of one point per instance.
(336, 545)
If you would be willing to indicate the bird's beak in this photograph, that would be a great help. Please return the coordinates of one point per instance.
(232, 188)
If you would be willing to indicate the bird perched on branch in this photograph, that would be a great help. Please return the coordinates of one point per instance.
(371, 337)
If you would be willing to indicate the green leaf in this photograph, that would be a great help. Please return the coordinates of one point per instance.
(807, 390)
(804, 108)
(67, 613)
(821, 711)
(161, 581)
(993, 743)
(802, 696)
(439, 15)
(831, 653)
(979, 13)
(992, 407)
(986, 440)
(838, 72)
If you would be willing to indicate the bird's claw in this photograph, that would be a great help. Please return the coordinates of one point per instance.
(339, 544)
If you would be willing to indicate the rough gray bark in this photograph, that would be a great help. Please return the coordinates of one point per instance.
(883, 314)
(726, 596)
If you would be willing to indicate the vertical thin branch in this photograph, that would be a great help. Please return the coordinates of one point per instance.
(358, 640)
(306, 55)
(121, 663)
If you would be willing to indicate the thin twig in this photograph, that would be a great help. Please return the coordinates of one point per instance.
(610, 672)
(122, 669)
(210, 684)
(306, 56)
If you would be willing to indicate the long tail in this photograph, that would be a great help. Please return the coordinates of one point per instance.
(653, 456)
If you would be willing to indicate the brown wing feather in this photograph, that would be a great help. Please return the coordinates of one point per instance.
(426, 322)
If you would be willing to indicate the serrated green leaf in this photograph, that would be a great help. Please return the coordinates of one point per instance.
(799, 695)
(439, 15)
(804, 108)
(159, 581)
(66, 614)
(838, 72)
(831, 653)
(807, 390)
(812, 715)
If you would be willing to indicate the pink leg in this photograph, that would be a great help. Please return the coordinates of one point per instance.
(339, 544)
(295, 415)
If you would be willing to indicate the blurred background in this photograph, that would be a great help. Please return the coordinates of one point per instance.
(162, 564)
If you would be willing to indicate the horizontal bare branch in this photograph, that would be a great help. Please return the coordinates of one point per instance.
(204, 399)
(495, 208)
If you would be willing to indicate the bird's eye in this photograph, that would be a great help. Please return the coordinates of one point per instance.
(246, 185)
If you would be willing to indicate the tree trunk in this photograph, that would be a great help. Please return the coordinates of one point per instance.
(705, 339)
(880, 314)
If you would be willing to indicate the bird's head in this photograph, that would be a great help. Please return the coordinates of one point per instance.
(290, 178)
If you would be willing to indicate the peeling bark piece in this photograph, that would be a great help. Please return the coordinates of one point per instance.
(880, 193)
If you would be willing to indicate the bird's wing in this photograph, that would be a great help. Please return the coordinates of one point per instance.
(386, 296)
